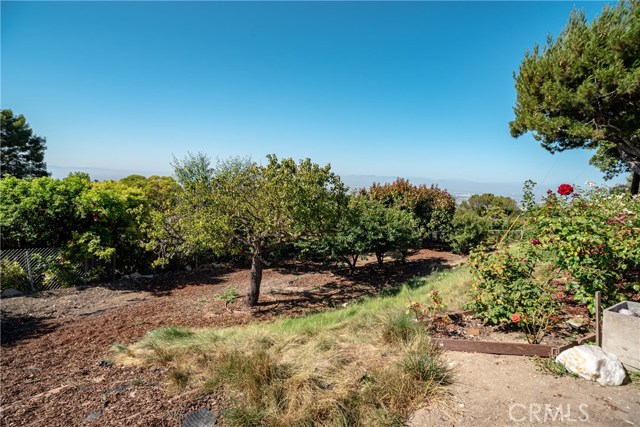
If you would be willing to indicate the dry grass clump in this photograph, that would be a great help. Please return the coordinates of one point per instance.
(365, 365)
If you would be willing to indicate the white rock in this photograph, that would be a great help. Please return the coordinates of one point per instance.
(188, 268)
(136, 276)
(592, 363)
(11, 293)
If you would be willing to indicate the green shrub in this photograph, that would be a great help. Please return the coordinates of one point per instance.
(504, 285)
(13, 276)
(592, 235)
(475, 219)
(469, 231)
(432, 207)
(61, 271)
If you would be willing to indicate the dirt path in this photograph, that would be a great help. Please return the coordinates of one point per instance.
(56, 346)
(500, 391)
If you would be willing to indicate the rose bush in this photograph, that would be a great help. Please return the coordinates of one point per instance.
(505, 287)
(593, 236)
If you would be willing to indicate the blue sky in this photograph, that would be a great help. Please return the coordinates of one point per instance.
(387, 89)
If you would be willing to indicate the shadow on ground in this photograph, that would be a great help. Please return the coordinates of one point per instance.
(163, 284)
(16, 328)
(368, 280)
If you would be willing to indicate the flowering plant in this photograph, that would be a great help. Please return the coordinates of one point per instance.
(433, 315)
(565, 189)
(594, 237)
(506, 289)
(534, 325)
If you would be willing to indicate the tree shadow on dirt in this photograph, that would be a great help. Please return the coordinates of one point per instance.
(368, 280)
(15, 328)
(165, 283)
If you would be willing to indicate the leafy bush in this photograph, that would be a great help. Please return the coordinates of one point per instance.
(475, 219)
(433, 315)
(505, 285)
(39, 212)
(13, 276)
(592, 235)
(388, 229)
(353, 235)
(468, 231)
(365, 226)
(62, 272)
(91, 221)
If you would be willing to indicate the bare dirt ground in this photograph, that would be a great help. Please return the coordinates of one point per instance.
(501, 391)
(56, 346)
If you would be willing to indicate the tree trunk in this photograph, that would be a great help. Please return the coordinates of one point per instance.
(352, 265)
(380, 258)
(256, 277)
(635, 182)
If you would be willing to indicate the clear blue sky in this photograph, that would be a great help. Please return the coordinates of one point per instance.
(391, 89)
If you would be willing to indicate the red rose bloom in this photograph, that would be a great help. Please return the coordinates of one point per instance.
(565, 189)
(515, 318)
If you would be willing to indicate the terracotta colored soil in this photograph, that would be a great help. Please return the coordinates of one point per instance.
(56, 345)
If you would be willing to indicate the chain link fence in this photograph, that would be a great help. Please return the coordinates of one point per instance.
(37, 269)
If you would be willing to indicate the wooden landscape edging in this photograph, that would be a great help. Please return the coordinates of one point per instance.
(506, 348)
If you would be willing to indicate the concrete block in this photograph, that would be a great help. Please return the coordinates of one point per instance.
(621, 333)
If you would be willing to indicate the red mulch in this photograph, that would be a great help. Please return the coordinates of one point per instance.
(56, 345)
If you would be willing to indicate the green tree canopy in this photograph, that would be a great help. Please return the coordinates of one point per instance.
(389, 228)
(242, 207)
(40, 212)
(367, 226)
(476, 217)
(582, 90)
(488, 204)
(22, 151)
(433, 207)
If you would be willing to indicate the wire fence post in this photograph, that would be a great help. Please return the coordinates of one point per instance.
(29, 274)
